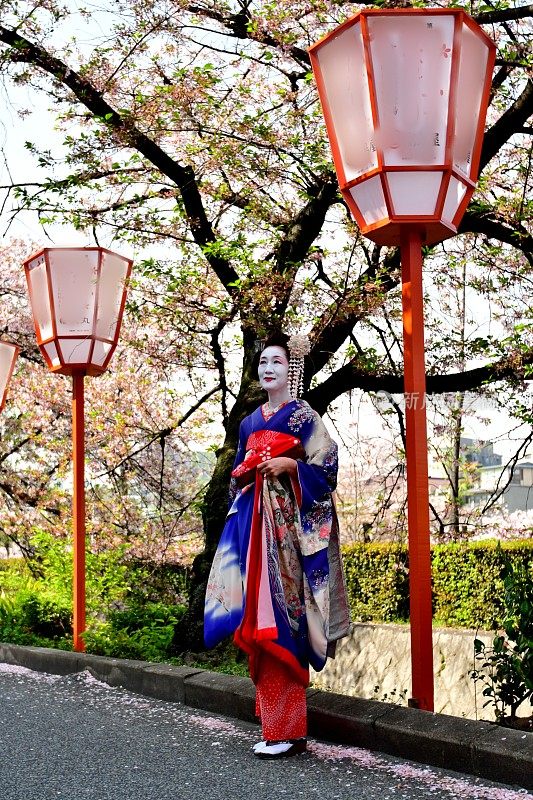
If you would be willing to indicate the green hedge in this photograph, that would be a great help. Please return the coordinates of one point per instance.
(466, 577)
(377, 581)
(134, 607)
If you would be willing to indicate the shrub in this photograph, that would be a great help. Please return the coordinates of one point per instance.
(506, 668)
(46, 616)
(467, 581)
(143, 632)
(30, 617)
(134, 608)
(165, 583)
(126, 615)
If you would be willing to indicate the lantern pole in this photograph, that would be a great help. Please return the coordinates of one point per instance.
(417, 470)
(77, 316)
(407, 165)
(78, 508)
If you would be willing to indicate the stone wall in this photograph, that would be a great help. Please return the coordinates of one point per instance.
(374, 662)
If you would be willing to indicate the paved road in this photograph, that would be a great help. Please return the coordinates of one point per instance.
(74, 737)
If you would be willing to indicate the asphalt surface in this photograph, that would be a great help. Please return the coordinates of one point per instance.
(74, 736)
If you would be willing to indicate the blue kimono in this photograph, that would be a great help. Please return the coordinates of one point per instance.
(276, 581)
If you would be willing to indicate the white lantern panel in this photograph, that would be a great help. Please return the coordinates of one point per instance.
(411, 58)
(343, 69)
(414, 193)
(100, 352)
(470, 82)
(454, 196)
(7, 355)
(51, 352)
(110, 291)
(74, 275)
(370, 200)
(40, 301)
(75, 351)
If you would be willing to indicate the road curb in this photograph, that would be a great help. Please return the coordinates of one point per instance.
(465, 745)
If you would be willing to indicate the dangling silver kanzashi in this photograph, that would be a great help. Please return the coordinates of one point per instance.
(299, 347)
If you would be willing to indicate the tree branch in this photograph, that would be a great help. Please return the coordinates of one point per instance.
(511, 120)
(24, 51)
(221, 367)
(301, 232)
(162, 433)
(337, 322)
(25, 498)
(350, 376)
(494, 228)
(240, 26)
(498, 491)
(503, 15)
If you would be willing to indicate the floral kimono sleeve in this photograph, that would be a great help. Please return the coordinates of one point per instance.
(317, 475)
(316, 480)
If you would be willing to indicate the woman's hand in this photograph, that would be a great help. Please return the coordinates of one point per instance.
(277, 466)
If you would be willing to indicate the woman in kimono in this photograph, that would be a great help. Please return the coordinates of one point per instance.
(276, 582)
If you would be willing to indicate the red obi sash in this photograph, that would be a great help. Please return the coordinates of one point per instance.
(261, 446)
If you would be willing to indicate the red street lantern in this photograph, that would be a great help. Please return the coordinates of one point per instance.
(8, 357)
(404, 94)
(77, 295)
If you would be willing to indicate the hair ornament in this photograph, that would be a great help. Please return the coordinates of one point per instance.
(299, 347)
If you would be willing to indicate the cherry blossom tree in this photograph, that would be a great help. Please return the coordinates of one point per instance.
(144, 478)
(191, 128)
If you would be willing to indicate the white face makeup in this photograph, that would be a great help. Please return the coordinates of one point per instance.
(273, 369)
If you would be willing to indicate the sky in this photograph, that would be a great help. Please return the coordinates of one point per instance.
(18, 166)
